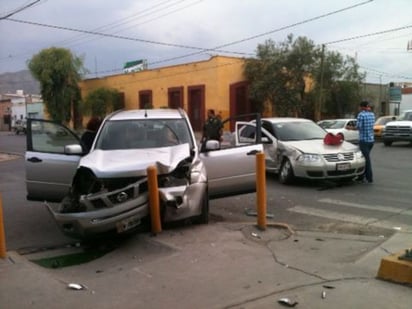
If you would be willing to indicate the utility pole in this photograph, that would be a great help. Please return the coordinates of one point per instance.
(318, 110)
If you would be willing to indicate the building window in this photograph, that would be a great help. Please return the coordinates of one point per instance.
(145, 99)
(175, 97)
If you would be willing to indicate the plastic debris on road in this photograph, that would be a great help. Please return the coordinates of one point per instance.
(76, 286)
(287, 302)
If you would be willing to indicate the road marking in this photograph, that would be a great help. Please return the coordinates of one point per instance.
(393, 210)
(334, 215)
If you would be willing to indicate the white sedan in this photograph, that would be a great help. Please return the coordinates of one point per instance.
(295, 148)
(336, 126)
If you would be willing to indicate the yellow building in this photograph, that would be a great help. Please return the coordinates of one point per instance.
(217, 83)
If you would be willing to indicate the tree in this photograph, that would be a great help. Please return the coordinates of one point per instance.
(279, 72)
(288, 76)
(341, 85)
(58, 72)
(102, 101)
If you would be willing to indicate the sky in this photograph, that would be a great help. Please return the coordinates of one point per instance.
(107, 34)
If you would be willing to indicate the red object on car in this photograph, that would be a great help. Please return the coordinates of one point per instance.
(332, 139)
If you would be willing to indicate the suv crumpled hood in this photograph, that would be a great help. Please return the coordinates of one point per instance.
(318, 147)
(134, 162)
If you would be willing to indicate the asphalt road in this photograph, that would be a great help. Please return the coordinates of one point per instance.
(373, 209)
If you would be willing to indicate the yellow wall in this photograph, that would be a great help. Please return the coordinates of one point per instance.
(216, 74)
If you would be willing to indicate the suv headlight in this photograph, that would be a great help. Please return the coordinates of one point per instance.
(308, 157)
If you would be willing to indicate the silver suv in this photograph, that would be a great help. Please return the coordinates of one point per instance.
(107, 189)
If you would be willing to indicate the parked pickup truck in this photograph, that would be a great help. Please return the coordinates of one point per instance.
(398, 130)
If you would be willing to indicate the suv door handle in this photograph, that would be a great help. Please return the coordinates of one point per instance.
(34, 160)
(253, 152)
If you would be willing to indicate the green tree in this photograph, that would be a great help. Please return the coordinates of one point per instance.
(280, 72)
(58, 72)
(277, 75)
(341, 92)
(102, 101)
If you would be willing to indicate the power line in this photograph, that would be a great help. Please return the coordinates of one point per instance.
(368, 35)
(199, 49)
(385, 73)
(19, 10)
(151, 10)
(269, 32)
(216, 49)
(142, 14)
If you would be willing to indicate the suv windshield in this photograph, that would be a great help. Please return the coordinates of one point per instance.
(143, 133)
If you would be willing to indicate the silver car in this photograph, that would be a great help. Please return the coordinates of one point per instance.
(294, 147)
(107, 188)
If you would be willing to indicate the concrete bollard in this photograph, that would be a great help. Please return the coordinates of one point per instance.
(3, 253)
(154, 200)
(261, 190)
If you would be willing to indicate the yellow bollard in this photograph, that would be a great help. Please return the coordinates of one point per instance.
(261, 190)
(154, 200)
(3, 253)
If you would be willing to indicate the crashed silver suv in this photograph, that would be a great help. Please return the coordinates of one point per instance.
(106, 189)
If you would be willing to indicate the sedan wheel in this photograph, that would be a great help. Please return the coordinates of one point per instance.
(286, 175)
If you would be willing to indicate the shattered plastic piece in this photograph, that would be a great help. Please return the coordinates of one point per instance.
(255, 235)
(76, 286)
(398, 228)
(323, 294)
(328, 286)
(287, 302)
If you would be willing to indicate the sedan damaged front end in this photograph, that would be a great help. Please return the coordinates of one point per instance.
(110, 190)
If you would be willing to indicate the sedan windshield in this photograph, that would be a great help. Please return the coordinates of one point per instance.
(140, 134)
(297, 131)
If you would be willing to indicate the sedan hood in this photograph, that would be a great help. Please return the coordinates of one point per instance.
(134, 162)
(318, 147)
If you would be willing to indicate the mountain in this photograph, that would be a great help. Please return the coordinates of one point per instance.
(21, 80)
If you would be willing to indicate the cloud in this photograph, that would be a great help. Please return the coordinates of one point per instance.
(205, 24)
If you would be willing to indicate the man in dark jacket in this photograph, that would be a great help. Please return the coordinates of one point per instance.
(213, 128)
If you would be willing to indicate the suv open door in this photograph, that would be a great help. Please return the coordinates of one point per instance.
(50, 164)
(232, 170)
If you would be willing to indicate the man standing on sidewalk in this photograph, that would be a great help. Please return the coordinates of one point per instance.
(365, 122)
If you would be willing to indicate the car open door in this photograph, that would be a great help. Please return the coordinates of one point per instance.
(245, 133)
(50, 165)
(231, 170)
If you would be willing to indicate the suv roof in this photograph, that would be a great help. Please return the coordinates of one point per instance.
(164, 113)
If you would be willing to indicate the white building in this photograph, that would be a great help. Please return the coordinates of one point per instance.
(24, 106)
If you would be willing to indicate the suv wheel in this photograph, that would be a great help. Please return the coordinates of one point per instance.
(387, 143)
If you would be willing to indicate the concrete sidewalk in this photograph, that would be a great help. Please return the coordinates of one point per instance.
(218, 265)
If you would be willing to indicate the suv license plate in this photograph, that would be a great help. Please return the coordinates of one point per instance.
(342, 166)
(127, 224)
